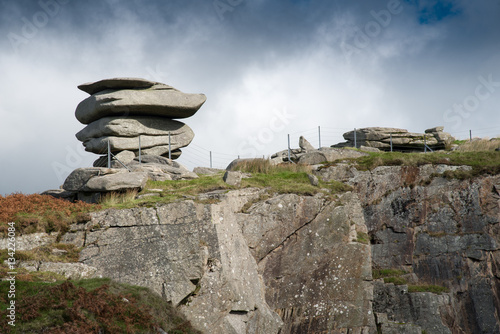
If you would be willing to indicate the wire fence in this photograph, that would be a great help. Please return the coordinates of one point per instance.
(195, 155)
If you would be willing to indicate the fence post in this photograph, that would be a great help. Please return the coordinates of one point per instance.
(140, 150)
(169, 147)
(425, 144)
(210, 159)
(289, 148)
(470, 136)
(391, 142)
(109, 156)
(319, 137)
(355, 139)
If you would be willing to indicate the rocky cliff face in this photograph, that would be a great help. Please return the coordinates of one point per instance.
(254, 263)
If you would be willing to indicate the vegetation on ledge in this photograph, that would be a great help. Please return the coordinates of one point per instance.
(89, 306)
(40, 213)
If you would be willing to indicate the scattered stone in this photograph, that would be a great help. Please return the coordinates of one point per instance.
(313, 179)
(232, 178)
(305, 145)
(312, 158)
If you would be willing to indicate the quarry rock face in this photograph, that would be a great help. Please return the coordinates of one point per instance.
(445, 232)
(253, 261)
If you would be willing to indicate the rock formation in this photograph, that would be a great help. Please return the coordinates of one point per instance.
(259, 262)
(402, 140)
(307, 154)
(121, 110)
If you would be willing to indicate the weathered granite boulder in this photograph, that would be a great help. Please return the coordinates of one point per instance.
(116, 182)
(136, 126)
(402, 140)
(158, 100)
(308, 155)
(233, 178)
(115, 84)
(117, 144)
(77, 180)
(305, 145)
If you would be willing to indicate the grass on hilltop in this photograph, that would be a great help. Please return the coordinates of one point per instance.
(281, 179)
(482, 162)
(89, 306)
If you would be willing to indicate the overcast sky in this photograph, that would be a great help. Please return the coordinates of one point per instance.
(268, 68)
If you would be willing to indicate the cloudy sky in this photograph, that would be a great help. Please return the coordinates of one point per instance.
(268, 68)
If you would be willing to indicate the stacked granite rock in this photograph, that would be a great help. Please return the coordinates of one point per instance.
(402, 140)
(117, 113)
(121, 110)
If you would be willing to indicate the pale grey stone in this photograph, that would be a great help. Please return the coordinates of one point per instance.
(313, 179)
(305, 145)
(115, 84)
(232, 178)
(116, 182)
(117, 144)
(435, 129)
(80, 176)
(158, 100)
(136, 126)
(29, 241)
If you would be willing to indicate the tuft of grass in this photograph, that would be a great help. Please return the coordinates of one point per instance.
(437, 289)
(115, 199)
(88, 306)
(363, 238)
(395, 280)
(40, 213)
(380, 273)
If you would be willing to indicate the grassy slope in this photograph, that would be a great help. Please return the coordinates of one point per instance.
(87, 306)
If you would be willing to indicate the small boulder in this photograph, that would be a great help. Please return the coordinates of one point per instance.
(312, 158)
(233, 178)
(305, 145)
(313, 179)
(80, 176)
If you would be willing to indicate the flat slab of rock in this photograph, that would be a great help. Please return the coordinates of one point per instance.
(158, 100)
(80, 176)
(117, 144)
(116, 182)
(115, 83)
(135, 126)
